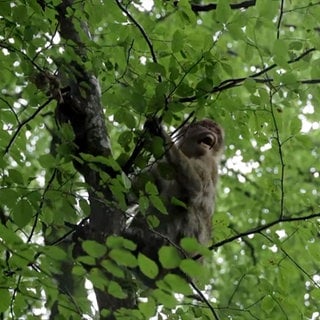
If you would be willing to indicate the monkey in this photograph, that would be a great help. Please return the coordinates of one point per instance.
(188, 191)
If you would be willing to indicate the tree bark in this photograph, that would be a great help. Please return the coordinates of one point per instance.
(81, 107)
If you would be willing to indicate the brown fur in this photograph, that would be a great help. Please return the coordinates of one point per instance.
(194, 159)
(191, 178)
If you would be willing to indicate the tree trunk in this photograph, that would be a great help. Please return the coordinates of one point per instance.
(81, 107)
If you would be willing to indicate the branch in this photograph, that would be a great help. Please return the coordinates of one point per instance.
(294, 262)
(144, 34)
(231, 83)
(213, 6)
(36, 218)
(279, 144)
(260, 229)
(24, 55)
(204, 299)
(24, 122)
(280, 19)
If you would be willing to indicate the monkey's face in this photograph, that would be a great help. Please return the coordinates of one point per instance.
(201, 138)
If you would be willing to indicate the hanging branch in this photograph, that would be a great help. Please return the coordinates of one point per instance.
(213, 6)
(261, 228)
(232, 83)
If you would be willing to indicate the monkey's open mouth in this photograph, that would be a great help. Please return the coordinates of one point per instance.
(207, 140)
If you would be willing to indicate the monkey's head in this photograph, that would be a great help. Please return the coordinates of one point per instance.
(201, 138)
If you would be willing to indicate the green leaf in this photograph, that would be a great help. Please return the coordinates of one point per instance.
(5, 8)
(118, 192)
(178, 284)
(8, 197)
(123, 257)
(108, 161)
(9, 236)
(164, 298)
(22, 213)
(227, 68)
(158, 204)
(295, 126)
(148, 309)
(84, 205)
(16, 176)
(288, 78)
(265, 286)
(116, 242)
(250, 85)
(5, 300)
(192, 268)
(169, 257)
(47, 161)
(189, 244)
(153, 221)
(151, 188)
(147, 266)
(125, 117)
(192, 246)
(188, 15)
(295, 45)
(55, 253)
(79, 271)
(223, 11)
(94, 249)
(20, 13)
(115, 290)
(204, 86)
(178, 203)
(315, 293)
(268, 304)
(87, 260)
(156, 68)
(98, 279)
(111, 267)
(126, 181)
(157, 147)
(177, 41)
(280, 50)
(125, 139)
(143, 203)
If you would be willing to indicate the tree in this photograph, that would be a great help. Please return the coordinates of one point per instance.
(78, 77)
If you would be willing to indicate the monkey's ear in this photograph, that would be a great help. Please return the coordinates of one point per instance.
(153, 126)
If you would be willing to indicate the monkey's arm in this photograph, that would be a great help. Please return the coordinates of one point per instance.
(185, 168)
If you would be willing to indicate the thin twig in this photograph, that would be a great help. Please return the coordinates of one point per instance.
(24, 122)
(279, 144)
(11, 108)
(236, 289)
(142, 31)
(36, 218)
(294, 262)
(203, 299)
(280, 19)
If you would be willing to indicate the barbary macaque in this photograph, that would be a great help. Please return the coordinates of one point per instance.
(189, 190)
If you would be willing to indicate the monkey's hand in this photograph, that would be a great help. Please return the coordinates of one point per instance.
(153, 126)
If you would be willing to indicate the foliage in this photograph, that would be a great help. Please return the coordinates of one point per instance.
(254, 67)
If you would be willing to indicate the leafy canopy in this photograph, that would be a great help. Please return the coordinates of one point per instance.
(253, 68)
